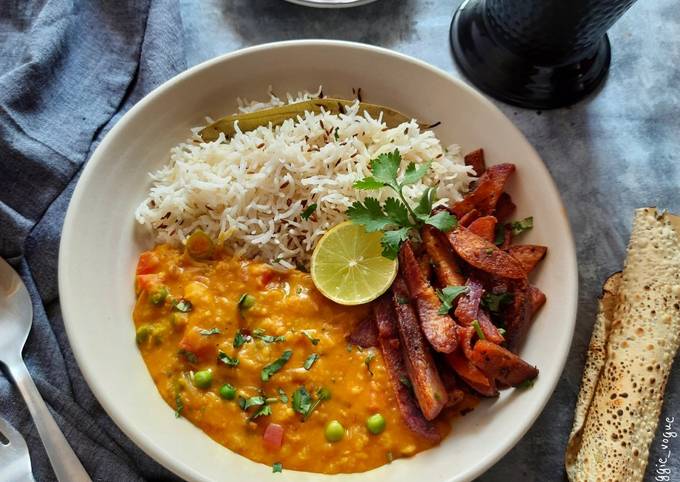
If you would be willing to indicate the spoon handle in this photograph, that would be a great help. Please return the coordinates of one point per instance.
(64, 461)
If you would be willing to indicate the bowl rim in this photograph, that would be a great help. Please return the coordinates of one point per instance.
(68, 300)
(331, 4)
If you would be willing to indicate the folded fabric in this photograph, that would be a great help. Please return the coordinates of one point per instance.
(68, 70)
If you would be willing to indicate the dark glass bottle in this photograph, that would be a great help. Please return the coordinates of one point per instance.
(535, 53)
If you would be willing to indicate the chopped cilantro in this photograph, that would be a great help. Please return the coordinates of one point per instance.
(478, 329)
(406, 382)
(448, 295)
(263, 411)
(277, 467)
(240, 339)
(188, 356)
(275, 366)
(314, 341)
(495, 302)
(253, 401)
(402, 300)
(212, 331)
(282, 396)
(303, 402)
(260, 335)
(182, 305)
(226, 359)
(518, 227)
(527, 383)
(500, 235)
(310, 361)
(309, 210)
(396, 218)
(179, 404)
(367, 361)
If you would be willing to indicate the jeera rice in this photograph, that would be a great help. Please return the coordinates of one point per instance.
(271, 193)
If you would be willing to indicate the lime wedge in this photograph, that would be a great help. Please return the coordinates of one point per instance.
(348, 266)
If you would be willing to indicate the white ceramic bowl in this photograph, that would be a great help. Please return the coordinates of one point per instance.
(100, 244)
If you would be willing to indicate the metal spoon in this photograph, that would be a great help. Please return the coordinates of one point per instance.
(16, 317)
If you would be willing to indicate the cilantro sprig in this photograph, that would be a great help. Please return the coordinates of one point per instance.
(396, 217)
(448, 295)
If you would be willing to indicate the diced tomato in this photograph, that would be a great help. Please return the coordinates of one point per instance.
(146, 282)
(273, 436)
(148, 261)
(199, 345)
(266, 277)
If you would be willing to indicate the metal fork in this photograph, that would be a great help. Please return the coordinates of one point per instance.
(15, 461)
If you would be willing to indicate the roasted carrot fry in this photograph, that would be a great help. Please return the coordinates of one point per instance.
(440, 330)
(504, 207)
(536, 300)
(489, 330)
(465, 336)
(394, 364)
(468, 218)
(364, 333)
(468, 304)
(425, 265)
(422, 371)
(445, 265)
(501, 364)
(484, 255)
(485, 195)
(455, 394)
(529, 255)
(517, 316)
(475, 159)
(472, 375)
(484, 227)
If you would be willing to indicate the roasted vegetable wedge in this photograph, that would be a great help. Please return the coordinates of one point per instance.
(470, 374)
(484, 255)
(502, 364)
(445, 266)
(440, 330)
(529, 255)
(487, 192)
(475, 159)
(388, 340)
(484, 227)
(422, 371)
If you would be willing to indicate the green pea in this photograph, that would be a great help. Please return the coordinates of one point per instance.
(143, 333)
(375, 424)
(202, 379)
(227, 391)
(334, 431)
(159, 295)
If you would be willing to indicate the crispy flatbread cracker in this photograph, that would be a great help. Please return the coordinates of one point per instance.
(634, 341)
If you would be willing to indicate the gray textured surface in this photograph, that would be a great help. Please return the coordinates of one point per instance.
(609, 154)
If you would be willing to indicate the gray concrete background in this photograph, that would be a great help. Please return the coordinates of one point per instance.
(609, 154)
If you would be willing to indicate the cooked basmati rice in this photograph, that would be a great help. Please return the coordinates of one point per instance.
(249, 191)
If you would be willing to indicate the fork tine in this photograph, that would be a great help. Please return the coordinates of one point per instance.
(14, 457)
(14, 437)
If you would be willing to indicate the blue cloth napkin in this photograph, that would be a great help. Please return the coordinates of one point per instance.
(68, 70)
